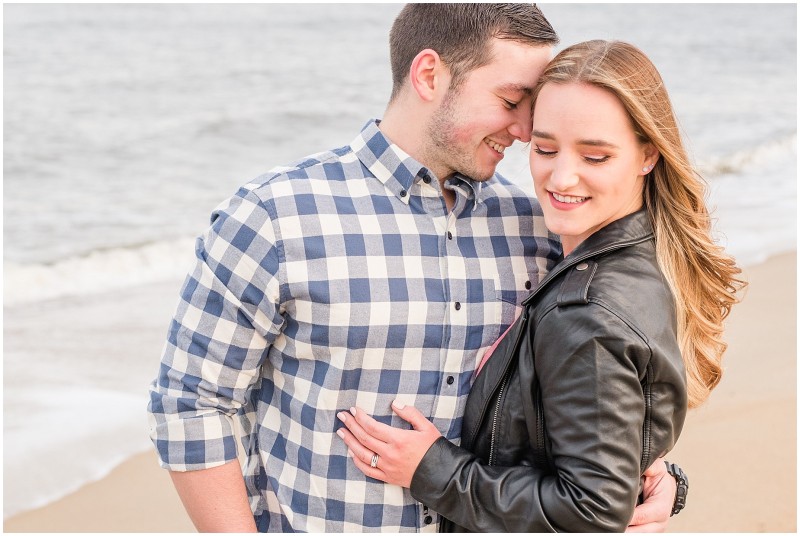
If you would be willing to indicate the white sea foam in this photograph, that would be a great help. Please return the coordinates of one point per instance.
(74, 436)
(775, 150)
(97, 272)
(755, 207)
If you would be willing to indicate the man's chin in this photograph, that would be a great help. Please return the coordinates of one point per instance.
(482, 175)
(479, 175)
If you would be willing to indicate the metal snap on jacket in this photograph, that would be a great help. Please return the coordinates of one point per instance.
(582, 266)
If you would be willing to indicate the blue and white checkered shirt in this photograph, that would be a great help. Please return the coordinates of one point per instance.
(340, 281)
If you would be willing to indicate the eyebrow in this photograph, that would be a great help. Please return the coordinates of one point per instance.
(592, 143)
(518, 88)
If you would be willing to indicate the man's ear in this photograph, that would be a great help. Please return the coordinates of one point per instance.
(429, 76)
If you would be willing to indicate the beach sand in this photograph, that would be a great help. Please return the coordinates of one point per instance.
(739, 449)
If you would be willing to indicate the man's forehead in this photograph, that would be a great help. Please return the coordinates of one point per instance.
(516, 66)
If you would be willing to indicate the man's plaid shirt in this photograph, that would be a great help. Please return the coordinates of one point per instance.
(339, 281)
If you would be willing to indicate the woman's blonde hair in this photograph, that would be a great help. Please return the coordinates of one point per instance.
(701, 276)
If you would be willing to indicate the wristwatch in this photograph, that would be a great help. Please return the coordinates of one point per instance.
(683, 487)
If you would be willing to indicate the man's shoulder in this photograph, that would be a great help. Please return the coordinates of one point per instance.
(280, 190)
(326, 165)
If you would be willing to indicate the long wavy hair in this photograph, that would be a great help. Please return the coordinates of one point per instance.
(702, 277)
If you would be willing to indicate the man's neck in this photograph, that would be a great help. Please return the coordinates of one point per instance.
(407, 131)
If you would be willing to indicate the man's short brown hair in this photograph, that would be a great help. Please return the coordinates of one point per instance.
(461, 34)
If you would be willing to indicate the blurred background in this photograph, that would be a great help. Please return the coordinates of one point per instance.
(126, 124)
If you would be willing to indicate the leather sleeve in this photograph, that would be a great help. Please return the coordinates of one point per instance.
(590, 363)
(479, 497)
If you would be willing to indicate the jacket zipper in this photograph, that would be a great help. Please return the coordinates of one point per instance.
(496, 418)
(540, 450)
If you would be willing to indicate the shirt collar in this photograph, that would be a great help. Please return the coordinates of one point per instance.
(397, 170)
(469, 188)
(388, 162)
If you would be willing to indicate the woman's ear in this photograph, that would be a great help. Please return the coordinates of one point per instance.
(428, 75)
(651, 156)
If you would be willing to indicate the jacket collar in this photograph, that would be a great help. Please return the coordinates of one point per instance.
(626, 231)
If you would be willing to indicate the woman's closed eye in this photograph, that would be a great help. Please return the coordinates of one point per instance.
(596, 159)
(544, 152)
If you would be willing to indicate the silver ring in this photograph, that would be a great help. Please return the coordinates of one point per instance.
(374, 462)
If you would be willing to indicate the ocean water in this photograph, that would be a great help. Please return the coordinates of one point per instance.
(126, 124)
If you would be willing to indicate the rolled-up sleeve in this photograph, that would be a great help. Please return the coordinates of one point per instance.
(228, 316)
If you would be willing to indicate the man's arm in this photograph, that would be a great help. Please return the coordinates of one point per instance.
(225, 322)
(215, 498)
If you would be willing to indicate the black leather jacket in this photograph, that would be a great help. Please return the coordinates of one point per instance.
(583, 393)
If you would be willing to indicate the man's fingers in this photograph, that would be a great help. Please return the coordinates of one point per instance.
(657, 468)
(650, 527)
(648, 517)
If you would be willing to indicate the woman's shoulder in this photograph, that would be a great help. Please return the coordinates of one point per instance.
(626, 283)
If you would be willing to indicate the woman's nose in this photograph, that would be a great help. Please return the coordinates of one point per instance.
(565, 174)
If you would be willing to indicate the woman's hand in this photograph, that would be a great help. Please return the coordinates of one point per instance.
(399, 451)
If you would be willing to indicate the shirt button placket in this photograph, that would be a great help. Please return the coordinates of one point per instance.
(427, 520)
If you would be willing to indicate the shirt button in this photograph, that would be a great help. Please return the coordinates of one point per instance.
(426, 179)
(527, 285)
(428, 520)
(449, 235)
(450, 380)
(458, 306)
(403, 193)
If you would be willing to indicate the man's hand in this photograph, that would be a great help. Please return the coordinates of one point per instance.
(659, 496)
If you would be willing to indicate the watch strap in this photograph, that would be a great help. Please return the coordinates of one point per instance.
(683, 487)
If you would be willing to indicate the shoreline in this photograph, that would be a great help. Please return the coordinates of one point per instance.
(739, 449)
(136, 496)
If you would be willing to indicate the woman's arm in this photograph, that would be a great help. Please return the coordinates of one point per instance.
(595, 410)
(401, 458)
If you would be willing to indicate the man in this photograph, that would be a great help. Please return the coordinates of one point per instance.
(381, 270)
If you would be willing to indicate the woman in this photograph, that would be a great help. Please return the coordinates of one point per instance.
(592, 383)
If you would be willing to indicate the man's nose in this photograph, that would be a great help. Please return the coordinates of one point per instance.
(521, 128)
